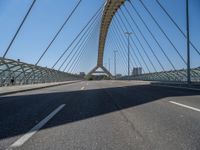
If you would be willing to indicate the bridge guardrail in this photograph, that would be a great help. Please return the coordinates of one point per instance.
(173, 76)
(18, 73)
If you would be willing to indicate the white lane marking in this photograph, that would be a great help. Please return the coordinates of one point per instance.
(186, 106)
(87, 83)
(82, 88)
(35, 129)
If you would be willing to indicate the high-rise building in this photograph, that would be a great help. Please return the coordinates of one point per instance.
(82, 74)
(137, 71)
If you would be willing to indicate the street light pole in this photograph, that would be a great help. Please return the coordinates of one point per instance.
(115, 67)
(128, 37)
(188, 43)
(109, 64)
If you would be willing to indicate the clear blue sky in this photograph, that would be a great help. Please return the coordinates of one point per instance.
(48, 15)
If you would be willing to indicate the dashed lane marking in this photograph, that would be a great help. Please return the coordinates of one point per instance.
(186, 106)
(36, 128)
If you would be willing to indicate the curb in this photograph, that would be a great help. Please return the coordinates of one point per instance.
(36, 88)
(177, 87)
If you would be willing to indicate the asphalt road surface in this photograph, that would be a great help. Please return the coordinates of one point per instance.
(101, 115)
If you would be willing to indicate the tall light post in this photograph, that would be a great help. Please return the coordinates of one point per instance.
(115, 65)
(105, 65)
(128, 38)
(109, 64)
(188, 43)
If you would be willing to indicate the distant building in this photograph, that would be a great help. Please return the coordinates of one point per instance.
(82, 74)
(118, 76)
(137, 71)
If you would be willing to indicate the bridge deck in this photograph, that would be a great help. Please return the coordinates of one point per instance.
(112, 115)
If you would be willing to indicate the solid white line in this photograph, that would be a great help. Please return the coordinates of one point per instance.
(82, 88)
(35, 129)
(186, 106)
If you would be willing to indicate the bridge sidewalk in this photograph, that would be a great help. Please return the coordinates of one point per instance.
(22, 88)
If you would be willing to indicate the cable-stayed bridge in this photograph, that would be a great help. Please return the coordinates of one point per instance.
(109, 23)
(143, 57)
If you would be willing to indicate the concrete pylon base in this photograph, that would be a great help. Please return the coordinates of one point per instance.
(104, 70)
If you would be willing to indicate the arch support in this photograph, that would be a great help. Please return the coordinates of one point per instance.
(110, 9)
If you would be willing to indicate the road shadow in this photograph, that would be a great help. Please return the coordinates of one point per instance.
(18, 114)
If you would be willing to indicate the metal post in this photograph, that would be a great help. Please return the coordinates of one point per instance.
(128, 34)
(109, 64)
(129, 57)
(115, 67)
(188, 43)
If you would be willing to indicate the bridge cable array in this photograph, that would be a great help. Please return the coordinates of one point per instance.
(82, 43)
(24, 73)
(79, 41)
(19, 28)
(58, 32)
(177, 26)
(86, 47)
(74, 40)
(124, 21)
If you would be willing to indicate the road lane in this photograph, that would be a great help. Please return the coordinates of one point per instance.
(20, 112)
(166, 126)
(36, 128)
(89, 122)
(121, 115)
